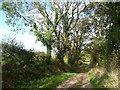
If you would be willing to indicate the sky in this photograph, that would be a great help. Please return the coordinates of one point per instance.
(27, 38)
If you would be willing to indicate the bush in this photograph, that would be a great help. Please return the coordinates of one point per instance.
(15, 62)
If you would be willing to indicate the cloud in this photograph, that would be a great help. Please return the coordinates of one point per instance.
(29, 41)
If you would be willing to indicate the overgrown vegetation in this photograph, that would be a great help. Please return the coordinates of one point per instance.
(46, 82)
(101, 79)
(84, 36)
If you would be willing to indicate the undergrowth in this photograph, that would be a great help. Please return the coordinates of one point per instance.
(107, 80)
(46, 82)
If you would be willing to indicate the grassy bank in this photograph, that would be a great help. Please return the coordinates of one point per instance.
(46, 82)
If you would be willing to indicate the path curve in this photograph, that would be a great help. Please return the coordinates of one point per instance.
(74, 82)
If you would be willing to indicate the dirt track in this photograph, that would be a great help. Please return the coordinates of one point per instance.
(79, 80)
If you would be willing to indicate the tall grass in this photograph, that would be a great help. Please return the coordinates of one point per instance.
(99, 78)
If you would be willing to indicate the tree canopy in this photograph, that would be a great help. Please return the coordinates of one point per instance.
(82, 34)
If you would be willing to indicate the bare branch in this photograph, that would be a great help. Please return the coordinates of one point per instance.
(78, 13)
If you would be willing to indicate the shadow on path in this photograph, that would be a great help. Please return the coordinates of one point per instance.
(79, 80)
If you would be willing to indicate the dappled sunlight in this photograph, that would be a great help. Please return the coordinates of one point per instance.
(65, 44)
(98, 71)
(47, 82)
(79, 80)
(100, 78)
(112, 81)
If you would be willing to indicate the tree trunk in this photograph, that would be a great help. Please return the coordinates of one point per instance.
(60, 56)
(48, 54)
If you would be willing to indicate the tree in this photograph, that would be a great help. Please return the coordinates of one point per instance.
(107, 30)
(60, 25)
(112, 33)
(66, 31)
(46, 34)
(71, 35)
(15, 60)
(48, 29)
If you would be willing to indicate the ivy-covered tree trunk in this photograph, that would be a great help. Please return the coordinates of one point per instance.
(60, 56)
(49, 54)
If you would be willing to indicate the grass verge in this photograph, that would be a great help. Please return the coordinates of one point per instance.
(46, 82)
(107, 80)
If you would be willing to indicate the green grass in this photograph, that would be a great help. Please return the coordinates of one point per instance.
(46, 82)
(95, 81)
(108, 80)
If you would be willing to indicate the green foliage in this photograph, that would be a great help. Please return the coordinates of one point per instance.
(95, 81)
(113, 38)
(112, 47)
(22, 65)
(93, 37)
(15, 60)
(98, 52)
(107, 80)
(13, 53)
(46, 82)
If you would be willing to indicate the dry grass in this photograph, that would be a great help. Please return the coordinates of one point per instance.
(98, 71)
(112, 81)
(100, 78)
